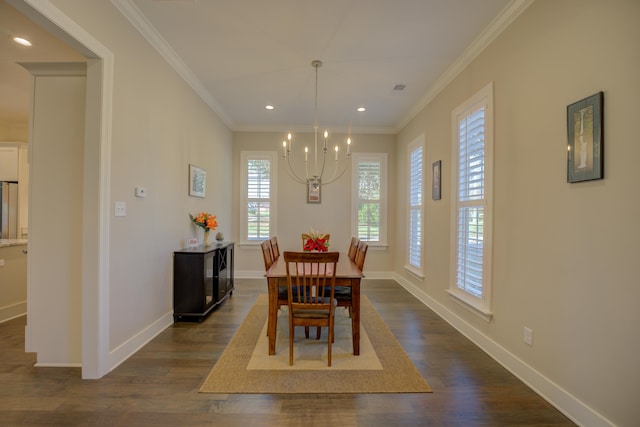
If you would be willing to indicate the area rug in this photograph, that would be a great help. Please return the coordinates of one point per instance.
(231, 374)
(312, 354)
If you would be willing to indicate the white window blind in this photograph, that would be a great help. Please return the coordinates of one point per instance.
(471, 189)
(473, 153)
(416, 189)
(369, 181)
(258, 196)
(369, 201)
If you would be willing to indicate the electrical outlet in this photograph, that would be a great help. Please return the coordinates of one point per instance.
(528, 336)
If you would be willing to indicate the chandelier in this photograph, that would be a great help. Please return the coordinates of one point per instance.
(315, 176)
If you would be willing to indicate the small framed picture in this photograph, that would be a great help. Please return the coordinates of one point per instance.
(197, 181)
(585, 149)
(436, 174)
(314, 191)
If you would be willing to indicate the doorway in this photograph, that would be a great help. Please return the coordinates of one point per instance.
(93, 265)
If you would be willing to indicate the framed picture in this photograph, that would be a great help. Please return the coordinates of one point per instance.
(585, 149)
(436, 174)
(314, 191)
(197, 181)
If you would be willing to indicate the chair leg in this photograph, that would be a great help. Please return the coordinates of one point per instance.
(330, 340)
(306, 332)
(318, 332)
(291, 329)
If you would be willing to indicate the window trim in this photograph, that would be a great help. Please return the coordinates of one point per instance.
(481, 306)
(245, 156)
(411, 147)
(376, 157)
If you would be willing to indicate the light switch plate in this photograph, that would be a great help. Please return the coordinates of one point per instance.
(121, 209)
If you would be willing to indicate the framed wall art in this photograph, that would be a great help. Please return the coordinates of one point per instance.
(436, 174)
(314, 191)
(197, 181)
(585, 149)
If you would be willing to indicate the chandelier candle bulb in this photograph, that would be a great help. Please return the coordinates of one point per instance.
(336, 153)
(306, 154)
(284, 149)
(348, 146)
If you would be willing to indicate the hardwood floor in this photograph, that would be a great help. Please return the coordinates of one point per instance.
(159, 385)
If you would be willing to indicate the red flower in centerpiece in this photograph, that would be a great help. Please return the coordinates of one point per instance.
(316, 242)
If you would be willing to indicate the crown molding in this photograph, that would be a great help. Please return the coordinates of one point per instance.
(148, 31)
(479, 44)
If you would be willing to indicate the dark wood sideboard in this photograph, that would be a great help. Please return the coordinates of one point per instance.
(202, 279)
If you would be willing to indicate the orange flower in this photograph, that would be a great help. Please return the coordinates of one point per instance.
(205, 220)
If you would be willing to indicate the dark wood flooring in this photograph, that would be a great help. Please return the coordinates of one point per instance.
(158, 386)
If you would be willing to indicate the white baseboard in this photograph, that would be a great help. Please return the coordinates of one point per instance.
(12, 311)
(135, 343)
(57, 365)
(564, 401)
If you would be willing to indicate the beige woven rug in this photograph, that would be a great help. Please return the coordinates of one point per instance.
(387, 368)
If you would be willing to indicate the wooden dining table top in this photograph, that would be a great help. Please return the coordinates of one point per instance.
(345, 268)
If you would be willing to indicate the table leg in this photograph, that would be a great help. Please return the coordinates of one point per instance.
(273, 314)
(355, 315)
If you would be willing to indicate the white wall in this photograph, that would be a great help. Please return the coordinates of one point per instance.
(11, 130)
(159, 126)
(295, 215)
(56, 152)
(565, 259)
(13, 282)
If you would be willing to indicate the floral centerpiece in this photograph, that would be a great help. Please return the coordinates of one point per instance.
(207, 221)
(315, 241)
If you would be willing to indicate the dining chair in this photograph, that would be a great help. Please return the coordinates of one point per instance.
(275, 248)
(361, 254)
(267, 255)
(311, 280)
(353, 248)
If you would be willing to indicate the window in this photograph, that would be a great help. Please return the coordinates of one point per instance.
(258, 195)
(415, 221)
(473, 181)
(369, 198)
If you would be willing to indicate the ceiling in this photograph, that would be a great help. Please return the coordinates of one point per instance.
(244, 54)
(15, 81)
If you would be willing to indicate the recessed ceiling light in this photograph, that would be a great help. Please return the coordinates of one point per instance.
(361, 109)
(23, 42)
(269, 107)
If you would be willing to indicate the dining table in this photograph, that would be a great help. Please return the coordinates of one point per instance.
(347, 274)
